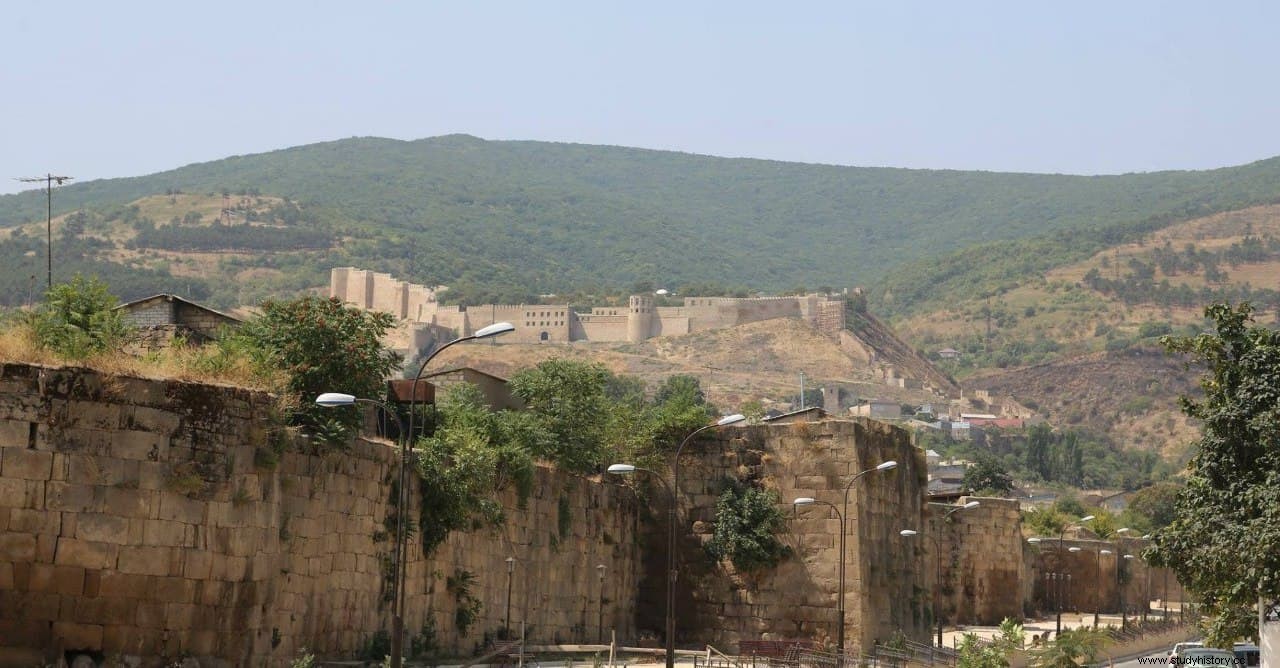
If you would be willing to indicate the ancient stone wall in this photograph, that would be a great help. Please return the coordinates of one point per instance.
(981, 565)
(884, 589)
(152, 518)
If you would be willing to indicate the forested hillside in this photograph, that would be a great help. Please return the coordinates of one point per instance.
(510, 220)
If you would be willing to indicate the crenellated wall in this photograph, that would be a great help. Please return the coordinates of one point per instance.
(146, 517)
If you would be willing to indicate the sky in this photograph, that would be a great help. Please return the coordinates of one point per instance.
(109, 89)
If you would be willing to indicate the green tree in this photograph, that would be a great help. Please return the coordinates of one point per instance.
(1071, 649)
(1154, 505)
(1039, 444)
(1224, 541)
(748, 520)
(570, 409)
(323, 345)
(987, 475)
(975, 653)
(78, 319)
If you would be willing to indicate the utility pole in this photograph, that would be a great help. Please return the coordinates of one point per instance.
(48, 189)
(801, 390)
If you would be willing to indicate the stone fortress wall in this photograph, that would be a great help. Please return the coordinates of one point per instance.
(145, 517)
(638, 321)
(142, 517)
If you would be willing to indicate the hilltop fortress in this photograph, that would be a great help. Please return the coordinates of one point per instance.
(638, 321)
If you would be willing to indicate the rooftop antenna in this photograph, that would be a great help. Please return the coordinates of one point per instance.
(48, 189)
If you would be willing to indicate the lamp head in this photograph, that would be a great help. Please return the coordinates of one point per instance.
(887, 465)
(730, 419)
(621, 469)
(1146, 536)
(1123, 530)
(804, 501)
(1087, 518)
(908, 532)
(971, 504)
(1034, 540)
(1128, 556)
(1104, 551)
(493, 330)
(332, 399)
(1073, 549)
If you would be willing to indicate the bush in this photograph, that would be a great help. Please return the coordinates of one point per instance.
(748, 519)
(78, 320)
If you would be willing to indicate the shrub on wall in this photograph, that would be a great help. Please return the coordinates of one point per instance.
(748, 520)
(78, 319)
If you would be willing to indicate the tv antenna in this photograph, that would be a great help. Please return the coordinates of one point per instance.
(48, 189)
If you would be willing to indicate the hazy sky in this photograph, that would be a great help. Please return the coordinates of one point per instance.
(103, 89)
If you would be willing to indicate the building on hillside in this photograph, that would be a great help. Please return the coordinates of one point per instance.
(948, 353)
(497, 394)
(163, 318)
(811, 414)
(881, 409)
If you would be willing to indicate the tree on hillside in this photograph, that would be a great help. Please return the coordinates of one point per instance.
(1153, 506)
(987, 476)
(568, 401)
(1224, 540)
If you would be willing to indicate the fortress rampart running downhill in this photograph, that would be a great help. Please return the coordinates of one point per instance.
(638, 321)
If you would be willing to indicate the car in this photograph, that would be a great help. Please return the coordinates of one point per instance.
(1249, 655)
(1202, 657)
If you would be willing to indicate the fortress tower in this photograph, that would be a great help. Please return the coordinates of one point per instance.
(639, 318)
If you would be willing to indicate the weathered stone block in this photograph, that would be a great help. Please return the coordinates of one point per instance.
(73, 497)
(196, 564)
(66, 580)
(78, 636)
(172, 590)
(14, 433)
(122, 585)
(181, 509)
(102, 528)
(150, 615)
(25, 520)
(128, 502)
(17, 547)
(23, 464)
(6, 575)
(140, 446)
(164, 532)
(143, 418)
(144, 560)
(85, 554)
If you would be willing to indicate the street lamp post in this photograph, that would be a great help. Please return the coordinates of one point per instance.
(805, 501)
(937, 543)
(1124, 613)
(1061, 534)
(338, 399)
(672, 573)
(600, 619)
(506, 619)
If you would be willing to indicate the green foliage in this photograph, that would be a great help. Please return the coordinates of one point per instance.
(1044, 521)
(473, 453)
(496, 220)
(747, 522)
(323, 345)
(973, 652)
(377, 646)
(987, 476)
(468, 606)
(1153, 506)
(1224, 541)
(78, 319)
(567, 399)
(426, 643)
(304, 659)
(1071, 649)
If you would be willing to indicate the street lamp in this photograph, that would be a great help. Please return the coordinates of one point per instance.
(338, 399)
(1061, 534)
(623, 469)
(600, 621)
(506, 619)
(907, 533)
(806, 501)
(1124, 614)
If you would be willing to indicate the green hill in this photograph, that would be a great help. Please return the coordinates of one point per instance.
(513, 219)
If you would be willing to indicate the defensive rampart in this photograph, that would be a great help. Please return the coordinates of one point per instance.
(152, 518)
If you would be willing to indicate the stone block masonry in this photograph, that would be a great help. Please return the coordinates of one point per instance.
(134, 522)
